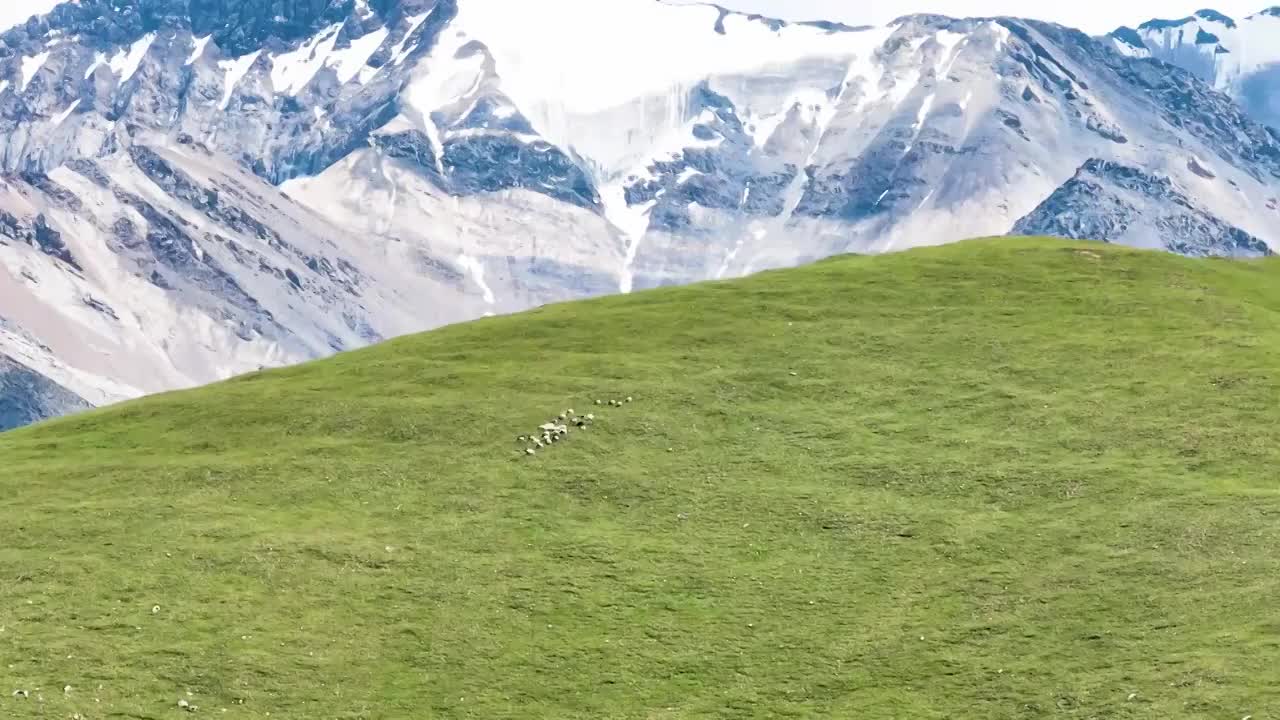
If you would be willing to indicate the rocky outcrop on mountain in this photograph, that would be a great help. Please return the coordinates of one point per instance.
(1122, 204)
(189, 190)
(27, 397)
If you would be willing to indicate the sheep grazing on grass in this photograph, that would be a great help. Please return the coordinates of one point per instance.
(559, 427)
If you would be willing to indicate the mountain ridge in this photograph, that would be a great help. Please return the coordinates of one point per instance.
(358, 171)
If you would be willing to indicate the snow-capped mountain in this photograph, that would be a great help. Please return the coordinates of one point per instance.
(1240, 58)
(195, 189)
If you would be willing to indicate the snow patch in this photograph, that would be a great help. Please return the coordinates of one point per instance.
(921, 115)
(98, 60)
(62, 116)
(630, 220)
(291, 71)
(30, 66)
(1002, 35)
(807, 101)
(476, 269)
(234, 71)
(198, 50)
(925, 108)
(348, 63)
(757, 233)
(447, 79)
(402, 50)
(125, 63)
(953, 45)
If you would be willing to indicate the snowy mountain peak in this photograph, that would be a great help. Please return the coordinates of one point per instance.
(1241, 59)
(1217, 17)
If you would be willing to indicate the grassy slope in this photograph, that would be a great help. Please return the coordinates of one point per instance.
(1007, 479)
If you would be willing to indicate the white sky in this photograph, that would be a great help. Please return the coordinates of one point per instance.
(13, 12)
(1093, 16)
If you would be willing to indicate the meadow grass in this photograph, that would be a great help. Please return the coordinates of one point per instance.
(998, 479)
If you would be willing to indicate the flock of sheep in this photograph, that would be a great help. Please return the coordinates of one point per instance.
(558, 427)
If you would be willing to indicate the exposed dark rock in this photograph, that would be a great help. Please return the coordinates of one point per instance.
(50, 242)
(1117, 203)
(27, 396)
(100, 306)
(493, 163)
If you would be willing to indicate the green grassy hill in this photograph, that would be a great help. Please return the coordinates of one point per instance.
(999, 479)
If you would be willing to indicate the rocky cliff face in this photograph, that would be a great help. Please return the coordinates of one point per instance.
(196, 189)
